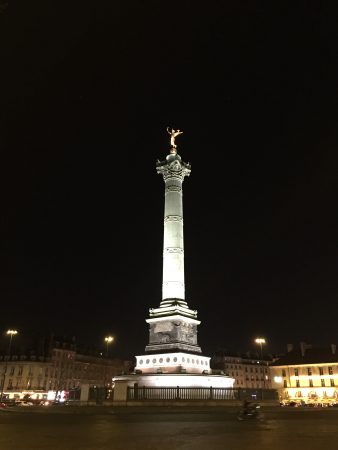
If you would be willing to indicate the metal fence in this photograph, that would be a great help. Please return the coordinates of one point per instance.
(197, 393)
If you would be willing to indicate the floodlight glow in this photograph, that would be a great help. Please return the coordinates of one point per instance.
(11, 332)
(174, 380)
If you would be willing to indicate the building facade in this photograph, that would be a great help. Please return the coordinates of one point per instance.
(248, 370)
(307, 375)
(60, 374)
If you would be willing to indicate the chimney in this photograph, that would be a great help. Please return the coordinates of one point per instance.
(333, 349)
(289, 347)
(304, 346)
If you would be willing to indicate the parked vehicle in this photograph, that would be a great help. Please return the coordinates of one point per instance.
(291, 403)
(25, 403)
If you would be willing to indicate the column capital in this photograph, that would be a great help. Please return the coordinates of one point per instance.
(173, 167)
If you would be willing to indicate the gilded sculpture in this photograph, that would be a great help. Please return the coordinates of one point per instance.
(173, 133)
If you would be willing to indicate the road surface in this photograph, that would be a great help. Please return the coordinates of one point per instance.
(153, 428)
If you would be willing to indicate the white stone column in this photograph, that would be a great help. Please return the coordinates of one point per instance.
(173, 171)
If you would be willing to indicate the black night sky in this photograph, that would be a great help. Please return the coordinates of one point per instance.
(87, 91)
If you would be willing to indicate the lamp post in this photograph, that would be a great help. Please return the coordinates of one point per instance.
(108, 340)
(9, 333)
(261, 341)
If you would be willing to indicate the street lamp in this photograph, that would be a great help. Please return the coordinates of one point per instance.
(9, 333)
(261, 341)
(108, 340)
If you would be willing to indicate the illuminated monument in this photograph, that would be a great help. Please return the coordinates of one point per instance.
(173, 356)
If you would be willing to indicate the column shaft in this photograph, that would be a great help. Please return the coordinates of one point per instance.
(173, 246)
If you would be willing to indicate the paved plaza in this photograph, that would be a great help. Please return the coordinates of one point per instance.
(153, 428)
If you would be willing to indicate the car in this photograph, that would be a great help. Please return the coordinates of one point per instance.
(3, 405)
(291, 403)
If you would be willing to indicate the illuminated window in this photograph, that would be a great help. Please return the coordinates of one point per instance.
(311, 383)
(322, 382)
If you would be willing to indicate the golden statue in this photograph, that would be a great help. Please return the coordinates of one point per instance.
(173, 133)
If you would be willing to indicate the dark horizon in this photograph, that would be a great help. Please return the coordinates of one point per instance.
(87, 97)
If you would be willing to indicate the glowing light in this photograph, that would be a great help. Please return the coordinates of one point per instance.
(11, 332)
(260, 341)
(278, 379)
(172, 380)
(168, 361)
(108, 340)
(61, 396)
